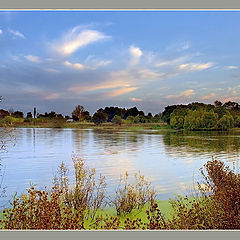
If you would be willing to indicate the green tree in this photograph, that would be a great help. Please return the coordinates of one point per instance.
(225, 122)
(99, 117)
(209, 119)
(117, 120)
(78, 113)
(130, 119)
(177, 118)
(237, 121)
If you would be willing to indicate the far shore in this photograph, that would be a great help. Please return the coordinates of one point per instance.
(112, 127)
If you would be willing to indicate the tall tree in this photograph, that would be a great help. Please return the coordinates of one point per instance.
(77, 113)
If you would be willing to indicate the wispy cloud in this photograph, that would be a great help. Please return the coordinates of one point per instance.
(78, 66)
(75, 39)
(133, 99)
(185, 45)
(149, 74)
(16, 58)
(121, 91)
(93, 63)
(52, 70)
(51, 96)
(186, 94)
(231, 67)
(192, 67)
(1, 31)
(32, 58)
(16, 33)
(174, 61)
(135, 54)
(208, 97)
(179, 47)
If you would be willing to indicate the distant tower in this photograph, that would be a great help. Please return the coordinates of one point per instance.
(34, 113)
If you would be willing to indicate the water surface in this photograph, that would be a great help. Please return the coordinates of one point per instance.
(170, 160)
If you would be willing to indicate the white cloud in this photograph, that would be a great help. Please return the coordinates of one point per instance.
(192, 67)
(171, 62)
(231, 67)
(94, 63)
(32, 58)
(78, 66)
(185, 94)
(133, 99)
(16, 33)
(210, 96)
(121, 91)
(76, 39)
(1, 31)
(135, 54)
(149, 74)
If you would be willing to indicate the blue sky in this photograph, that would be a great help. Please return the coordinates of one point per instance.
(55, 60)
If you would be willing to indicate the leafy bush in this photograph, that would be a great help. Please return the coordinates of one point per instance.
(12, 120)
(117, 120)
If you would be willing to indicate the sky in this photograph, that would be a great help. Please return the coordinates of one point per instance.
(55, 60)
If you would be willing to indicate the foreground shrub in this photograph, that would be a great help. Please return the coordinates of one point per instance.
(41, 210)
(87, 193)
(130, 196)
(217, 206)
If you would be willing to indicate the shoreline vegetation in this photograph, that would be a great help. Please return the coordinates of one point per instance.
(215, 203)
(192, 117)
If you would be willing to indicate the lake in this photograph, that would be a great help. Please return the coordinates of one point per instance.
(170, 160)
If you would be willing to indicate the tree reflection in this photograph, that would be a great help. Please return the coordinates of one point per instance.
(206, 142)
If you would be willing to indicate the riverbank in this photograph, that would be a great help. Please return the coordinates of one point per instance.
(110, 212)
(90, 125)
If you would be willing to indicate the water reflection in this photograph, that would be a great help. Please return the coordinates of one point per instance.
(218, 144)
(171, 160)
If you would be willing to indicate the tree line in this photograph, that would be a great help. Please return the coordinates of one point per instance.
(200, 116)
(193, 116)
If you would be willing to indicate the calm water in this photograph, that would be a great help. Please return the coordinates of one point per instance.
(170, 160)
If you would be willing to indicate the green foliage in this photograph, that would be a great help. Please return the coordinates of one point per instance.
(117, 120)
(237, 121)
(130, 119)
(195, 120)
(225, 122)
(199, 116)
(177, 118)
(12, 120)
(99, 117)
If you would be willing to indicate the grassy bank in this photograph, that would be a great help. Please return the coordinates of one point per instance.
(90, 125)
